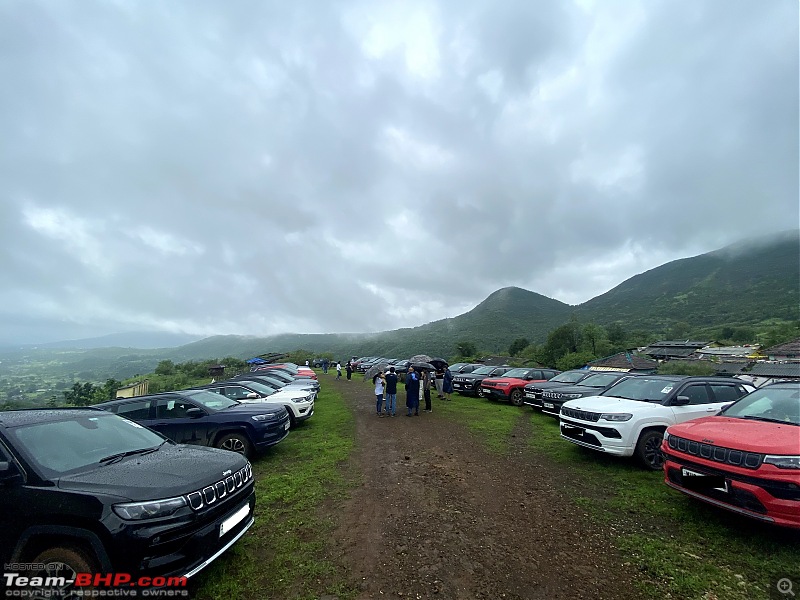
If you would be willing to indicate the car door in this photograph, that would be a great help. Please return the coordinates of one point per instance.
(701, 403)
(172, 420)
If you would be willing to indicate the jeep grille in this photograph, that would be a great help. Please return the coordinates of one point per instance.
(748, 460)
(222, 489)
(583, 415)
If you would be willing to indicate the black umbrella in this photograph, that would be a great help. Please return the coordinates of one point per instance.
(439, 363)
(423, 366)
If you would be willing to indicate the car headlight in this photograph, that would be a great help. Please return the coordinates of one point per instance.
(136, 511)
(783, 462)
(501, 384)
(303, 399)
(666, 436)
(264, 417)
(616, 416)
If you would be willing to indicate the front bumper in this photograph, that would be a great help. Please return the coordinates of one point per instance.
(596, 437)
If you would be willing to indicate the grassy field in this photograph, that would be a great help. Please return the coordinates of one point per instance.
(282, 554)
(683, 548)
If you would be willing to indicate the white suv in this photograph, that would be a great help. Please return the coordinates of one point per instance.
(629, 418)
(298, 403)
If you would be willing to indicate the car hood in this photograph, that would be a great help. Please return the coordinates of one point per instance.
(257, 407)
(741, 434)
(611, 404)
(174, 470)
(546, 385)
(575, 389)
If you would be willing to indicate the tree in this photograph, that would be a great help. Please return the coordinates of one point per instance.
(165, 367)
(574, 360)
(616, 334)
(562, 340)
(466, 348)
(517, 346)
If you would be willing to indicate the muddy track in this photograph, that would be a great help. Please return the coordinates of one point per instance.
(437, 516)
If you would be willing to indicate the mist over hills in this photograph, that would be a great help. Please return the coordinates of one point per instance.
(745, 283)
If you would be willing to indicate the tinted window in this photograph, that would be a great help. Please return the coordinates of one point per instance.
(569, 377)
(134, 410)
(725, 393)
(698, 394)
(170, 408)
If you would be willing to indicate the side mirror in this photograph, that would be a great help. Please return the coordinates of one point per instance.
(194, 413)
(252, 396)
(681, 401)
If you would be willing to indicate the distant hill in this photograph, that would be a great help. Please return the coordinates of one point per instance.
(133, 339)
(745, 283)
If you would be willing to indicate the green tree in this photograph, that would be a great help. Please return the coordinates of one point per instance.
(466, 348)
(165, 367)
(562, 340)
(616, 334)
(517, 346)
(574, 360)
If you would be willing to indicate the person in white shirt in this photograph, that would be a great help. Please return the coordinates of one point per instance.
(380, 384)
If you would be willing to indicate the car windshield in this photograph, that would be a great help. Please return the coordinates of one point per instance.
(272, 381)
(457, 366)
(644, 389)
(280, 375)
(259, 387)
(483, 370)
(773, 403)
(568, 377)
(69, 445)
(210, 400)
(600, 380)
(516, 373)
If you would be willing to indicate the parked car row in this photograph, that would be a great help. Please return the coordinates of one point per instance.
(161, 492)
(716, 439)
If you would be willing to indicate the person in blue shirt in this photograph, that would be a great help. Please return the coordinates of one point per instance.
(412, 392)
(447, 383)
(391, 392)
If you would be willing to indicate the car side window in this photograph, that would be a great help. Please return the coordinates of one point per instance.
(725, 393)
(698, 394)
(170, 408)
(136, 410)
(235, 392)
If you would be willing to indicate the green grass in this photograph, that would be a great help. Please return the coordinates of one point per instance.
(683, 547)
(282, 556)
(493, 421)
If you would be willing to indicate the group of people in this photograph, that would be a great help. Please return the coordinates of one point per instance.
(386, 385)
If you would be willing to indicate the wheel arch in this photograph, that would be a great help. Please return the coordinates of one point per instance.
(37, 538)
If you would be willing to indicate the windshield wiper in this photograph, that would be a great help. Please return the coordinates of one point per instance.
(120, 455)
(766, 419)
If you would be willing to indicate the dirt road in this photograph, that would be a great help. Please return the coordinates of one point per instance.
(437, 516)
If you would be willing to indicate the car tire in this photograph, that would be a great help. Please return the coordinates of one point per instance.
(73, 559)
(479, 392)
(648, 449)
(235, 442)
(516, 397)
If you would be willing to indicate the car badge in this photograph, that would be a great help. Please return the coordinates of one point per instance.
(228, 472)
(708, 441)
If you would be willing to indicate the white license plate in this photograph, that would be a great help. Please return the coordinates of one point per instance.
(232, 521)
(689, 473)
(529, 395)
(287, 425)
(548, 405)
(456, 385)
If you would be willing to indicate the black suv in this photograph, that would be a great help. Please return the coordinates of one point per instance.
(85, 491)
(206, 419)
(593, 385)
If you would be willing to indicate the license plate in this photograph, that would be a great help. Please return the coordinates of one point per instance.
(232, 521)
(570, 430)
(700, 481)
(548, 405)
(287, 425)
(456, 385)
(530, 395)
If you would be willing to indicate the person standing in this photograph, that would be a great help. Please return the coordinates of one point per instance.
(439, 381)
(325, 364)
(306, 362)
(349, 369)
(391, 392)
(426, 390)
(338, 370)
(412, 392)
(380, 385)
(447, 383)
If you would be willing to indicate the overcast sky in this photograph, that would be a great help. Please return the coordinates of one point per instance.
(255, 167)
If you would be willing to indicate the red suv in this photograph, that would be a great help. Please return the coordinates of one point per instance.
(745, 459)
(511, 385)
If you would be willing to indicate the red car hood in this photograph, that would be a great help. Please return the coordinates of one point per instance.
(742, 434)
(514, 380)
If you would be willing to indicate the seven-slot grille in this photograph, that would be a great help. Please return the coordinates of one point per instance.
(738, 458)
(583, 415)
(220, 490)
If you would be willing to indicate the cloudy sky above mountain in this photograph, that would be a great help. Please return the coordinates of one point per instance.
(258, 167)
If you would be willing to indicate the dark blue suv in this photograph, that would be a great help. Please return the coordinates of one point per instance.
(206, 419)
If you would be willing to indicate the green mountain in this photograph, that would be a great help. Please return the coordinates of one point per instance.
(743, 284)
